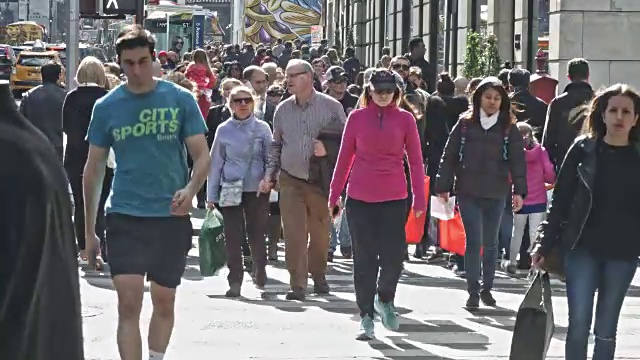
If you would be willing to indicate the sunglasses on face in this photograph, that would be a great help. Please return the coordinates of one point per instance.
(275, 93)
(383, 92)
(338, 81)
(400, 67)
(239, 101)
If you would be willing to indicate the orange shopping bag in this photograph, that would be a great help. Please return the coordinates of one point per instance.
(414, 228)
(452, 236)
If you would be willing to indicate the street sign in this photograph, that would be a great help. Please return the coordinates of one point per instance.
(119, 7)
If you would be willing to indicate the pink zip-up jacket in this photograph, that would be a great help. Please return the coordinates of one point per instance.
(539, 171)
(371, 155)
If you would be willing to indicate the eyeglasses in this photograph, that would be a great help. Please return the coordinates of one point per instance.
(239, 101)
(291, 76)
(400, 67)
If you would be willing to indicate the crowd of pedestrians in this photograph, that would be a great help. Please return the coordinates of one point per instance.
(300, 144)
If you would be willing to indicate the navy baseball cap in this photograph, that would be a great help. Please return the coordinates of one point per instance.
(383, 79)
(336, 73)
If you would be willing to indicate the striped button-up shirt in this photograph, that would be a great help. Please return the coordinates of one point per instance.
(294, 129)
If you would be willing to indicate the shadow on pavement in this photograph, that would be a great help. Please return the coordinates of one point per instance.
(411, 332)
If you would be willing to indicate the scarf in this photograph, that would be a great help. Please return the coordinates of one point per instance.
(488, 121)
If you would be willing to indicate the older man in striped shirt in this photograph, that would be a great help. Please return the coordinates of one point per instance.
(296, 124)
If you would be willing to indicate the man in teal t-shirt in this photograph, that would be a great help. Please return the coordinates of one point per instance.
(147, 134)
(149, 124)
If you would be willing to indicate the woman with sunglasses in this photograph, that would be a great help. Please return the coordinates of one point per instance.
(238, 158)
(375, 141)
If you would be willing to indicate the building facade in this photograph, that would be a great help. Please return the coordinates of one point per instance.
(370, 25)
(574, 28)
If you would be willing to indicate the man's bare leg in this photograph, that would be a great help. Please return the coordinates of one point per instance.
(162, 318)
(130, 289)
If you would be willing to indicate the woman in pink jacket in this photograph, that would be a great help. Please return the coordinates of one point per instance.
(374, 144)
(539, 173)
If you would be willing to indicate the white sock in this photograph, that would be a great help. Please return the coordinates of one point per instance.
(155, 355)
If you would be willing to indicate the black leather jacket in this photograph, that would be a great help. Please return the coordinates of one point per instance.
(572, 199)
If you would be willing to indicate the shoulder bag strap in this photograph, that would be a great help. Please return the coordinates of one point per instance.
(252, 136)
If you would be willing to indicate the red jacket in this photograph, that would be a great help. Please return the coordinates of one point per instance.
(372, 151)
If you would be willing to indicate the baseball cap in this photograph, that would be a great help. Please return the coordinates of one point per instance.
(336, 73)
(383, 79)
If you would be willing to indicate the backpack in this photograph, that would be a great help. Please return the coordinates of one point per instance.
(463, 139)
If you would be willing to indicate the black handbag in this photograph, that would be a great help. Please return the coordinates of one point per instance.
(534, 325)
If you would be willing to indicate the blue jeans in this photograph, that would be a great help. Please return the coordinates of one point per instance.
(611, 277)
(481, 218)
(506, 229)
(341, 235)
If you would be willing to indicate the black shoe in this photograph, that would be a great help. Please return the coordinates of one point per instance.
(419, 252)
(330, 256)
(234, 290)
(487, 298)
(320, 286)
(346, 252)
(296, 294)
(473, 302)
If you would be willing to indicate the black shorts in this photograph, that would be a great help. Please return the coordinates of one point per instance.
(156, 247)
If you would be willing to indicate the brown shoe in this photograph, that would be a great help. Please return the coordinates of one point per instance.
(234, 290)
(296, 294)
(320, 286)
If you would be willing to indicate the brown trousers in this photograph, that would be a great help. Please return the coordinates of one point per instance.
(305, 218)
(254, 212)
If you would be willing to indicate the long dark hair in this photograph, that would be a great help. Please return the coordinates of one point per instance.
(505, 117)
(595, 126)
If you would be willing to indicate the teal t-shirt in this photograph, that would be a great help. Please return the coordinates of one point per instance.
(147, 134)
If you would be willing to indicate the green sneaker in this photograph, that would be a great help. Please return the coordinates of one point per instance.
(366, 329)
(387, 314)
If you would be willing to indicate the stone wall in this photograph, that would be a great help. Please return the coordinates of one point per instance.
(605, 32)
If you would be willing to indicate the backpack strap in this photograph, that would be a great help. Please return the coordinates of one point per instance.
(463, 138)
(505, 144)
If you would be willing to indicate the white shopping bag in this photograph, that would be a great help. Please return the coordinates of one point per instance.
(273, 196)
(441, 210)
(111, 159)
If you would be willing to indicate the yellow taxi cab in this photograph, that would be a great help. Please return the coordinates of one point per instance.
(26, 74)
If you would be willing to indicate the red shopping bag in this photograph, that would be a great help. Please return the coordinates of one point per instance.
(452, 236)
(414, 228)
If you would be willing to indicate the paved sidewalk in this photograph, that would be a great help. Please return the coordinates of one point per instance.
(262, 325)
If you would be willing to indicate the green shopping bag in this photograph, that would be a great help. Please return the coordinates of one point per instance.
(211, 244)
